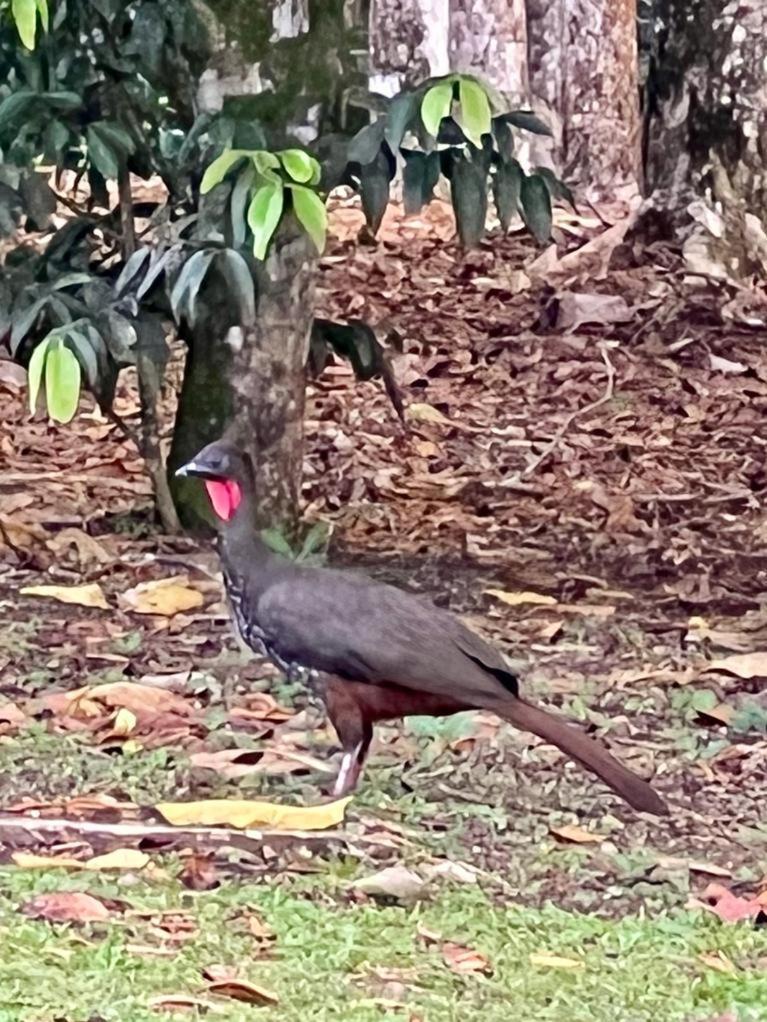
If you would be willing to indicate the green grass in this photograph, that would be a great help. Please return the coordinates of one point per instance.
(327, 948)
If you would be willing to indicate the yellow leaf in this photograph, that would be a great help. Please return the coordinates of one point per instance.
(166, 596)
(547, 961)
(718, 961)
(239, 813)
(124, 722)
(744, 665)
(517, 599)
(120, 858)
(85, 596)
(420, 412)
(579, 836)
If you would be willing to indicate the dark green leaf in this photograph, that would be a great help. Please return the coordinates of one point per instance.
(468, 190)
(419, 178)
(238, 275)
(183, 296)
(119, 336)
(15, 106)
(79, 341)
(132, 268)
(24, 321)
(400, 112)
(356, 342)
(311, 214)
(264, 214)
(507, 186)
(157, 263)
(39, 200)
(535, 204)
(102, 156)
(504, 138)
(374, 190)
(364, 147)
(526, 120)
(55, 138)
(62, 382)
(277, 542)
(557, 188)
(436, 105)
(115, 137)
(64, 102)
(239, 200)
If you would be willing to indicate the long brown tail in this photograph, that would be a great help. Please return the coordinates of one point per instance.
(585, 751)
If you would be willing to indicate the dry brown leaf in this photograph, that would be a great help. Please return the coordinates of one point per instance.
(130, 695)
(420, 412)
(465, 960)
(544, 960)
(719, 961)
(234, 763)
(200, 873)
(518, 599)
(11, 714)
(579, 836)
(89, 550)
(13, 377)
(743, 665)
(239, 990)
(66, 907)
(91, 595)
(182, 1002)
(722, 713)
(396, 882)
(165, 596)
(241, 814)
(578, 308)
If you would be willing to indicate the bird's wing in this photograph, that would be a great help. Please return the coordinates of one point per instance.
(347, 625)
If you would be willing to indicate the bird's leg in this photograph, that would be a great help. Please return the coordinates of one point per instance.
(352, 765)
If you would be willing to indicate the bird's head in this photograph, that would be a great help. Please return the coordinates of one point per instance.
(227, 474)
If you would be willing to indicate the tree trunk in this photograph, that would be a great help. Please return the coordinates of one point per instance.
(489, 39)
(707, 132)
(268, 376)
(583, 68)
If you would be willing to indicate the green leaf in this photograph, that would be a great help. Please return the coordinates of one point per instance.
(536, 207)
(220, 167)
(188, 283)
(507, 186)
(132, 268)
(23, 323)
(364, 147)
(239, 200)
(398, 115)
(277, 542)
(474, 116)
(55, 137)
(526, 120)
(436, 104)
(374, 189)
(298, 164)
(84, 352)
(62, 382)
(419, 178)
(42, 9)
(237, 273)
(25, 15)
(265, 162)
(311, 214)
(468, 190)
(264, 214)
(35, 373)
(116, 137)
(557, 188)
(504, 138)
(102, 156)
(16, 105)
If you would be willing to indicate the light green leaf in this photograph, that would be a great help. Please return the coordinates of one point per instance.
(25, 15)
(474, 117)
(265, 162)
(217, 171)
(436, 105)
(35, 373)
(264, 214)
(42, 8)
(298, 164)
(312, 215)
(62, 382)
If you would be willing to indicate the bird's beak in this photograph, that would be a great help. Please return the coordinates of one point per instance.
(190, 469)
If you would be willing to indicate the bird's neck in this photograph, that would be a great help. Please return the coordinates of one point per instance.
(245, 558)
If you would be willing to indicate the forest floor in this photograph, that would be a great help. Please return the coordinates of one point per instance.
(581, 475)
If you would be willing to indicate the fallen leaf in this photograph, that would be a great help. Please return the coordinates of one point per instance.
(744, 665)
(239, 990)
(66, 907)
(396, 882)
(165, 596)
(120, 858)
(181, 1002)
(579, 836)
(420, 412)
(718, 961)
(124, 722)
(234, 763)
(518, 599)
(129, 695)
(13, 377)
(89, 550)
(544, 960)
(465, 960)
(728, 906)
(726, 365)
(91, 595)
(241, 814)
(577, 308)
(11, 714)
(722, 713)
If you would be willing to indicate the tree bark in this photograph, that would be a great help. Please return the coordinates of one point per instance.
(489, 39)
(408, 42)
(707, 132)
(583, 68)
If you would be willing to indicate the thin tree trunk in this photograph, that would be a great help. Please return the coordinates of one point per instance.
(489, 39)
(409, 41)
(707, 137)
(583, 67)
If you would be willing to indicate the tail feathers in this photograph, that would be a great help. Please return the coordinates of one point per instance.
(585, 751)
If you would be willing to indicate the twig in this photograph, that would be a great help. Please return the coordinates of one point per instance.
(607, 396)
(124, 428)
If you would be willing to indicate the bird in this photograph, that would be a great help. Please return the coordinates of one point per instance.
(372, 651)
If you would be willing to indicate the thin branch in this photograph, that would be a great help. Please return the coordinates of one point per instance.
(555, 440)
